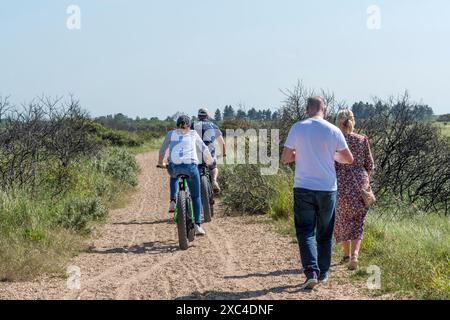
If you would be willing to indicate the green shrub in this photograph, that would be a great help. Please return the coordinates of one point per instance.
(246, 190)
(78, 213)
(119, 164)
(122, 138)
(111, 137)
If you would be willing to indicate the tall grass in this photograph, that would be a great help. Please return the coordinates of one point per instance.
(40, 231)
(413, 253)
(444, 127)
(30, 243)
(281, 200)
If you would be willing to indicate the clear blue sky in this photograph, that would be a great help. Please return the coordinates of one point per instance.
(153, 58)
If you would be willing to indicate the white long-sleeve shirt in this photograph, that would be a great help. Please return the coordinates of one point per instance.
(185, 147)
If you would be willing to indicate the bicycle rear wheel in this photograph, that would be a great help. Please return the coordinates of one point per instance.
(182, 213)
(211, 199)
(206, 200)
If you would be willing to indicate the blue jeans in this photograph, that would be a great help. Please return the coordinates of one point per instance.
(314, 220)
(190, 170)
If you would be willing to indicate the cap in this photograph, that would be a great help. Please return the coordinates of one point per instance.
(203, 112)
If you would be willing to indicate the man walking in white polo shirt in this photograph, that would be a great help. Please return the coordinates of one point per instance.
(314, 144)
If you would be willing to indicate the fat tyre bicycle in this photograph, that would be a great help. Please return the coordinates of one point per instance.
(184, 213)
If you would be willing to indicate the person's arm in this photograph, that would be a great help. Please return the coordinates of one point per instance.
(221, 142)
(160, 161)
(163, 149)
(368, 158)
(344, 156)
(207, 155)
(288, 156)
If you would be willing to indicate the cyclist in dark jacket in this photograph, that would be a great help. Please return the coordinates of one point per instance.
(210, 133)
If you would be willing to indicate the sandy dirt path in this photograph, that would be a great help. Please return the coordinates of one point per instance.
(135, 255)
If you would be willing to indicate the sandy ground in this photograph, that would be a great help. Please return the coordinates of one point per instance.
(135, 255)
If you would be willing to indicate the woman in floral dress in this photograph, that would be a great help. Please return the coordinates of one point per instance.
(350, 209)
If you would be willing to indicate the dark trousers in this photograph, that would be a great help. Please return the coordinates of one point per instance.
(314, 223)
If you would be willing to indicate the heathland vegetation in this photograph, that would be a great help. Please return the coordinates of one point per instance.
(59, 172)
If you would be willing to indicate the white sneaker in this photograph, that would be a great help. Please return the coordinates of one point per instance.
(172, 206)
(309, 284)
(216, 187)
(199, 230)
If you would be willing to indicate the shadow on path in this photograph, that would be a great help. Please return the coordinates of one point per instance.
(269, 274)
(147, 247)
(127, 223)
(224, 295)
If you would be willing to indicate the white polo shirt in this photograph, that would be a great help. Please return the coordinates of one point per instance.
(315, 142)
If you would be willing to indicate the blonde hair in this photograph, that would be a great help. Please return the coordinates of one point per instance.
(346, 120)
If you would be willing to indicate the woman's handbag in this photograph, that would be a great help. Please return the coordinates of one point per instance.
(367, 194)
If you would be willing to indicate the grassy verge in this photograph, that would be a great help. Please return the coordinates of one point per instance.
(40, 231)
(30, 243)
(148, 146)
(411, 248)
(444, 127)
(412, 252)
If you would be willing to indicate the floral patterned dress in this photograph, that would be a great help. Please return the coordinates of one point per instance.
(350, 209)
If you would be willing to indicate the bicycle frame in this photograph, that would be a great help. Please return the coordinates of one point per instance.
(183, 185)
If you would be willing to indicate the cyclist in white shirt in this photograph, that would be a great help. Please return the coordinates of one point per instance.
(186, 151)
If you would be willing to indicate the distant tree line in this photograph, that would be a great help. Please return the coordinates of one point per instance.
(292, 109)
(253, 114)
(444, 118)
(119, 121)
(365, 110)
(157, 127)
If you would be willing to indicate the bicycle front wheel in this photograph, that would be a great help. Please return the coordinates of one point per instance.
(182, 213)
